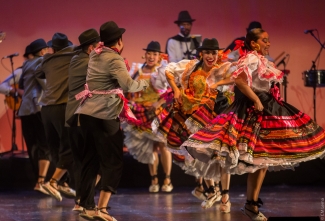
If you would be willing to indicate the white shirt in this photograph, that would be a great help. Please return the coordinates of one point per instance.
(5, 86)
(176, 49)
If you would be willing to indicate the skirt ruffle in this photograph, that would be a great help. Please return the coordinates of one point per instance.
(175, 127)
(198, 169)
(139, 139)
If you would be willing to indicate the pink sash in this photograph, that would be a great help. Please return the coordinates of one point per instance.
(126, 113)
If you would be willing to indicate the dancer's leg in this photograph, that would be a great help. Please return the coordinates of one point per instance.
(43, 166)
(103, 200)
(254, 184)
(166, 161)
(225, 183)
(153, 168)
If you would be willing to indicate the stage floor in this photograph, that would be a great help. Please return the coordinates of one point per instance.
(139, 205)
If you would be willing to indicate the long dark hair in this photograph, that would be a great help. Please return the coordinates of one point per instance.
(198, 65)
(252, 35)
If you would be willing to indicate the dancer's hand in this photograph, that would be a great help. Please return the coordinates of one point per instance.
(177, 96)
(155, 105)
(214, 86)
(258, 106)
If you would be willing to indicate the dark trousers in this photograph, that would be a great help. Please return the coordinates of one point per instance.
(35, 139)
(77, 145)
(103, 152)
(53, 117)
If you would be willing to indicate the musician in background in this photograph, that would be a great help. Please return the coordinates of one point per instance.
(7, 86)
(182, 46)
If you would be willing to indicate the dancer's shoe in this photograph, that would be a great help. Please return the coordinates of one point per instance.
(254, 216)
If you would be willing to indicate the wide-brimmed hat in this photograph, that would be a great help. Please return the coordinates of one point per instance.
(87, 37)
(37, 45)
(109, 31)
(209, 44)
(254, 24)
(59, 41)
(153, 46)
(184, 16)
(27, 51)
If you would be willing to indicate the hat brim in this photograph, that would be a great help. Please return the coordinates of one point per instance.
(114, 36)
(95, 39)
(36, 50)
(180, 21)
(206, 48)
(49, 43)
(146, 49)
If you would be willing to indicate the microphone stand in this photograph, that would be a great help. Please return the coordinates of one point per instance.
(13, 136)
(285, 81)
(313, 71)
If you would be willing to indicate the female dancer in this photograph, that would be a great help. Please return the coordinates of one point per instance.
(259, 130)
(142, 144)
(195, 103)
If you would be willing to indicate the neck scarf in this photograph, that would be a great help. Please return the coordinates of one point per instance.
(99, 50)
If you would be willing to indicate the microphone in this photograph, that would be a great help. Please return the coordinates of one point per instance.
(309, 31)
(11, 55)
(282, 60)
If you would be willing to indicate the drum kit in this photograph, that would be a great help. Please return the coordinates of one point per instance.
(314, 78)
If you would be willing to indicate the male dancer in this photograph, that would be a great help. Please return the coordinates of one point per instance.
(102, 104)
(89, 40)
(55, 69)
(30, 114)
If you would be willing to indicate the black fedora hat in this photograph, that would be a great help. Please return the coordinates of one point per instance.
(153, 46)
(184, 16)
(27, 51)
(254, 24)
(109, 31)
(87, 37)
(59, 41)
(209, 44)
(37, 45)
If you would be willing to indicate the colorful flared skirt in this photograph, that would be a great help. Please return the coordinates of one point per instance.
(243, 140)
(176, 127)
(139, 139)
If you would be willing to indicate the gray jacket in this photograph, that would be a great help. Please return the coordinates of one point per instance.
(55, 69)
(107, 71)
(77, 80)
(32, 88)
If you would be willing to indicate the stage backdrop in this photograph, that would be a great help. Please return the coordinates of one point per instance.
(147, 20)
